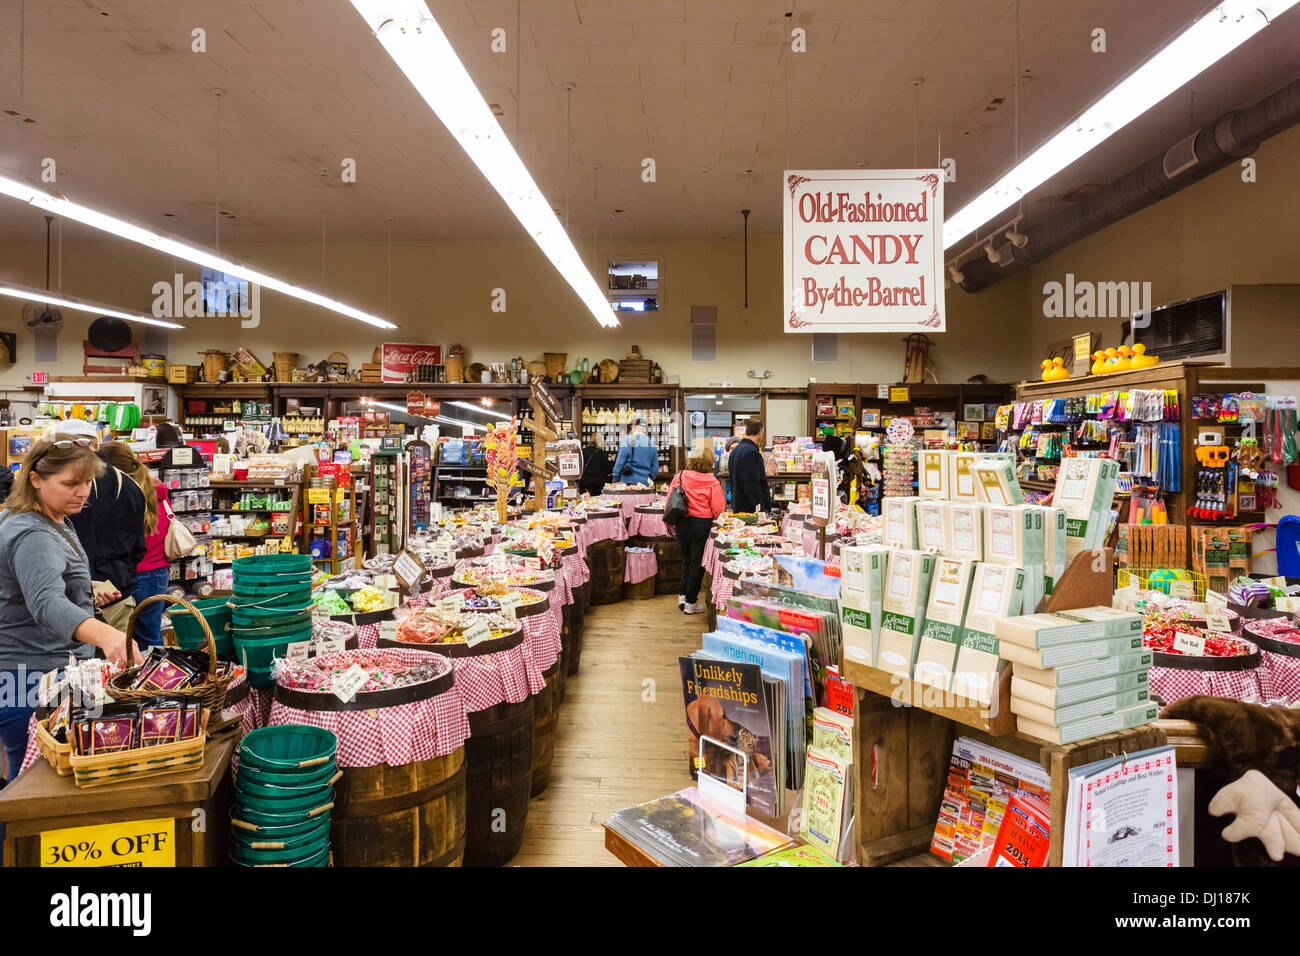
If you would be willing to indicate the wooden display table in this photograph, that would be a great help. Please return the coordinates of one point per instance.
(192, 811)
(627, 852)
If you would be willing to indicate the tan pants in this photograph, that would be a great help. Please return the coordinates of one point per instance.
(119, 615)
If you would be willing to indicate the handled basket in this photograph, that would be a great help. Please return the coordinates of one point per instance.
(212, 692)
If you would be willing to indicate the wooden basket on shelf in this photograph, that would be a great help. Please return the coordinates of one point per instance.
(59, 755)
(555, 362)
(99, 770)
(212, 692)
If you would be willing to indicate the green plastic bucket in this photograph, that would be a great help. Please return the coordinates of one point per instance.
(263, 566)
(320, 860)
(189, 633)
(273, 819)
(311, 777)
(284, 805)
(303, 854)
(256, 654)
(287, 747)
(247, 786)
(255, 617)
(239, 826)
(299, 844)
(274, 598)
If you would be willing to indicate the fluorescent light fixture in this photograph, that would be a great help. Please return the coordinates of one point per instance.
(59, 206)
(422, 51)
(469, 426)
(81, 305)
(395, 408)
(480, 409)
(1206, 41)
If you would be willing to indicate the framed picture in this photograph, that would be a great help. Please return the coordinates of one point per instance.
(973, 413)
(154, 400)
(871, 418)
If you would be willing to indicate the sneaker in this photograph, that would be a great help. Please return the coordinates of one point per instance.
(696, 608)
(681, 601)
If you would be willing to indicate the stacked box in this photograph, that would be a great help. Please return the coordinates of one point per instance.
(966, 530)
(1053, 547)
(932, 528)
(1007, 529)
(961, 480)
(996, 592)
(862, 575)
(1077, 673)
(945, 614)
(996, 481)
(1035, 555)
(932, 480)
(907, 588)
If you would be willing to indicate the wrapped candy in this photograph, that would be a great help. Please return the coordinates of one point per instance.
(370, 598)
(331, 603)
(385, 669)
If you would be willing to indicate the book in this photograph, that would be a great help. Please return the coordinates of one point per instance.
(861, 592)
(826, 791)
(781, 639)
(1024, 838)
(684, 829)
(996, 482)
(1054, 628)
(981, 782)
(1048, 695)
(797, 855)
(965, 530)
(931, 525)
(933, 474)
(1091, 727)
(1069, 674)
(1070, 713)
(1123, 811)
(833, 733)
(903, 610)
(961, 480)
(840, 693)
(1047, 657)
(727, 701)
(899, 522)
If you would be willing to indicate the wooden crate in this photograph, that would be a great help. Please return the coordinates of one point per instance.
(634, 371)
(182, 374)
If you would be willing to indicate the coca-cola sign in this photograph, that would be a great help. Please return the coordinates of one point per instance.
(400, 359)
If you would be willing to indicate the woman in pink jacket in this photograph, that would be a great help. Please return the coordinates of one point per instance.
(705, 502)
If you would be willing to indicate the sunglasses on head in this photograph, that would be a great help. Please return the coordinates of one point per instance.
(63, 443)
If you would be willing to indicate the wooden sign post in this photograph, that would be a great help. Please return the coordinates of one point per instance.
(546, 415)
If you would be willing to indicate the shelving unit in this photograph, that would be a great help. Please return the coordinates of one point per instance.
(340, 504)
(226, 492)
(388, 509)
(645, 401)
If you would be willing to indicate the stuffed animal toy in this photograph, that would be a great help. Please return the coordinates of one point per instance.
(1260, 749)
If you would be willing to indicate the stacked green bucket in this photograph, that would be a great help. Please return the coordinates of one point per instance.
(283, 795)
(270, 609)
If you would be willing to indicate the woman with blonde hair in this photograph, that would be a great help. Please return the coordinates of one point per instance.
(47, 609)
(152, 574)
(704, 503)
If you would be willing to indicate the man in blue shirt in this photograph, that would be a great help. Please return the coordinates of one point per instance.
(638, 458)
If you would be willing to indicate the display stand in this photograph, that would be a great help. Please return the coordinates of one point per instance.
(546, 416)
(902, 743)
(40, 801)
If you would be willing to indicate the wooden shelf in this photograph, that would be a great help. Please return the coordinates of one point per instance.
(996, 719)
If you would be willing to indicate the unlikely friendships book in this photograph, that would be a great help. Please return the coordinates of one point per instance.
(726, 700)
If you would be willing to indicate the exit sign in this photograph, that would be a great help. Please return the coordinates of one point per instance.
(40, 378)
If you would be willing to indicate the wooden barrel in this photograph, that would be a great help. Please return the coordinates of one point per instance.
(668, 579)
(706, 595)
(569, 614)
(606, 559)
(499, 768)
(641, 591)
(409, 815)
(546, 714)
(498, 762)
(413, 815)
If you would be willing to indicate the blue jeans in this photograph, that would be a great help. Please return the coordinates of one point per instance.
(148, 626)
(14, 717)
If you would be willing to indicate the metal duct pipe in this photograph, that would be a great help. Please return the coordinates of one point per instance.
(1233, 135)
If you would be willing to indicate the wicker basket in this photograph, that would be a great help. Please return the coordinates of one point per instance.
(58, 754)
(99, 770)
(211, 692)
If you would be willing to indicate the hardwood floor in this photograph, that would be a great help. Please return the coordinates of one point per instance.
(613, 748)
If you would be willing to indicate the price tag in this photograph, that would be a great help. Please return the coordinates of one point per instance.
(548, 575)
(545, 551)
(388, 630)
(1218, 623)
(347, 684)
(902, 394)
(1182, 589)
(135, 843)
(386, 582)
(498, 559)
(298, 651)
(882, 392)
(1189, 644)
(318, 610)
(1215, 599)
(408, 569)
(478, 633)
(452, 602)
(182, 456)
(509, 602)
(318, 496)
(533, 563)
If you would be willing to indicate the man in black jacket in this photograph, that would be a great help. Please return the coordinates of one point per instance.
(111, 529)
(749, 490)
(595, 469)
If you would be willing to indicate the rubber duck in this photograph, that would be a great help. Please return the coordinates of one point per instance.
(1108, 366)
(1098, 363)
(1046, 365)
(1124, 359)
(1141, 359)
(1058, 371)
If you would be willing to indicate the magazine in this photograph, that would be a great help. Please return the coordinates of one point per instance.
(793, 856)
(683, 829)
(728, 702)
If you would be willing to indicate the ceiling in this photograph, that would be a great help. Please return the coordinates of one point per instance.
(707, 88)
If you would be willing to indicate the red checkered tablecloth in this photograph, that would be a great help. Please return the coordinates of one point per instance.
(631, 500)
(367, 635)
(710, 558)
(574, 569)
(542, 634)
(1173, 683)
(1279, 677)
(255, 709)
(647, 524)
(490, 679)
(33, 752)
(395, 736)
(605, 529)
(722, 589)
(638, 566)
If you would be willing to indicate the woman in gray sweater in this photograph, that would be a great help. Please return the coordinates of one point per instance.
(46, 606)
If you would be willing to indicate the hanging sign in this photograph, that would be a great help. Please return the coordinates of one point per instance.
(400, 360)
(547, 402)
(824, 480)
(408, 569)
(570, 464)
(863, 250)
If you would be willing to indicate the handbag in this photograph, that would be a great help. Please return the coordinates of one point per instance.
(677, 507)
(179, 541)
